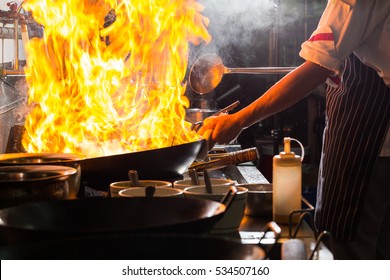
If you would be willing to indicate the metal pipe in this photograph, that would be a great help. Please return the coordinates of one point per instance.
(260, 70)
(16, 45)
(13, 72)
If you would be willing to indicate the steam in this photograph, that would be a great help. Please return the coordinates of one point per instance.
(239, 23)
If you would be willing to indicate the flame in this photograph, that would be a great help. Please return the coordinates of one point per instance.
(107, 76)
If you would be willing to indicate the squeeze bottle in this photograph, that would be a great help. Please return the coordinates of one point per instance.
(287, 183)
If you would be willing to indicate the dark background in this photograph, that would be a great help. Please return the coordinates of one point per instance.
(263, 33)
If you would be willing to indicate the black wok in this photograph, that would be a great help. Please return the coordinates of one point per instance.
(100, 216)
(157, 164)
(136, 247)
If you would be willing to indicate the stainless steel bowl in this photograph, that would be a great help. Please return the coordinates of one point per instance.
(258, 200)
(21, 184)
(194, 115)
(63, 159)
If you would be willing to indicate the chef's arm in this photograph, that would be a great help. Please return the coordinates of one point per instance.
(286, 92)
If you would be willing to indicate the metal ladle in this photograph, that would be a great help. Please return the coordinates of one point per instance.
(207, 72)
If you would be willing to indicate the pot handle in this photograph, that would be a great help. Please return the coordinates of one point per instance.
(228, 198)
(270, 227)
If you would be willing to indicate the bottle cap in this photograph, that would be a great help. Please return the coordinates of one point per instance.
(287, 148)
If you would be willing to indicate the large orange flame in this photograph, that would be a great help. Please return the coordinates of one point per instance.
(101, 89)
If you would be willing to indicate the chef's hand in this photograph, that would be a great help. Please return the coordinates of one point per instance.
(221, 129)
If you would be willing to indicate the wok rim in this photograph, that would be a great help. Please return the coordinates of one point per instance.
(145, 151)
(53, 158)
(53, 173)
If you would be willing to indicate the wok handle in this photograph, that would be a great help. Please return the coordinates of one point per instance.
(228, 198)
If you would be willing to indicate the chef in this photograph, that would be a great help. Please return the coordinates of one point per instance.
(349, 51)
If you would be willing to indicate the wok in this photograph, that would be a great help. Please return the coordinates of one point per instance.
(137, 247)
(101, 215)
(158, 164)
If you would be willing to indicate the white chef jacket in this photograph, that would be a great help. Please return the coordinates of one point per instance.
(348, 26)
(343, 29)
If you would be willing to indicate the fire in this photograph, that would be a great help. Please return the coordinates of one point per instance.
(107, 76)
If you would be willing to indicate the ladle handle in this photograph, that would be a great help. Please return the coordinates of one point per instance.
(149, 191)
(207, 182)
(227, 108)
(194, 177)
(259, 70)
(228, 198)
(133, 176)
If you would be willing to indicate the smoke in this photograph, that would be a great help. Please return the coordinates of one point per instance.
(237, 19)
(238, 24)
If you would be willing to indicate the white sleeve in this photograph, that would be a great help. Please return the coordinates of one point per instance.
(324, 46)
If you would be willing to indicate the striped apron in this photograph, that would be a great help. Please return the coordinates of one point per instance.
(357, 119)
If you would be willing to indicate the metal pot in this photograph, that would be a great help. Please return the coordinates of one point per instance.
(20, 184)
(194, 115)
(31, 159)
(258, 200)
(183, 184)
(101, 216)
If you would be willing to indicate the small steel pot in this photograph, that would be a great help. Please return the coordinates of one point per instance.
(31, 159)
(183, 184)
(194, 115)
(20, 184)
(258, 200)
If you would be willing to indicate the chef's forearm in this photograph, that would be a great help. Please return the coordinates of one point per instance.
(285, 93)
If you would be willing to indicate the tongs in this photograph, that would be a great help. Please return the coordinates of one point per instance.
(225, 110)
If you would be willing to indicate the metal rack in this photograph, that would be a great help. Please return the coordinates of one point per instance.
(16, 25)
(307, 214)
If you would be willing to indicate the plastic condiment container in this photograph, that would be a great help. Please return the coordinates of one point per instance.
(287, 183)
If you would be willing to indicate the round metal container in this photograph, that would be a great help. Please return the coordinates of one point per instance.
(258, 200)
(183, 184)
(20, 184)
(31, 159)
(194, 115)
